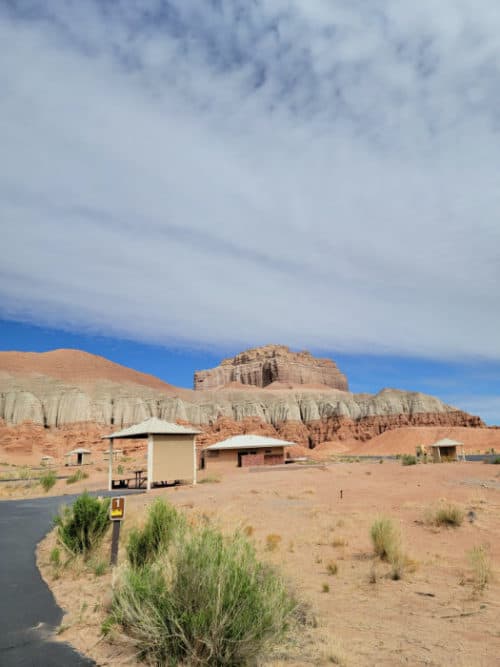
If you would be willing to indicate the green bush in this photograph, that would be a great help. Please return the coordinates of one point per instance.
(48, 480)
(82, 526)
(77, 477)
(163, 524)
(408, 460)
(199, 598)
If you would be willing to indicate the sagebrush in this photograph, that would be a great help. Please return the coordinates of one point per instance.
(198, 597)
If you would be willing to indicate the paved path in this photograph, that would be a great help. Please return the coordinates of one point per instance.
(28, 612)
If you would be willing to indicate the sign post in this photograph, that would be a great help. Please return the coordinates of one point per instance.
(116, 514)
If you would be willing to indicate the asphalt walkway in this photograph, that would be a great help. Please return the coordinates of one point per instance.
(29, 614)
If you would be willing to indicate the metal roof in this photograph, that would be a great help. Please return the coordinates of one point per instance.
(250, 442)
(80, 450)
(152, 426)
(446, 442)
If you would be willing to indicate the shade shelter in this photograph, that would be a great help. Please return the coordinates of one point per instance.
(447, 450)
(81, 456)
(171, 450)
(242, 451)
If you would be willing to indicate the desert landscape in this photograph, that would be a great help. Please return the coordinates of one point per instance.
(437, 604)
(438, 613)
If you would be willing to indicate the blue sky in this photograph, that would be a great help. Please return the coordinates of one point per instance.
(200, 177)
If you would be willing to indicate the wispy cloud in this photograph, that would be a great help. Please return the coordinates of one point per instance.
(321, 173)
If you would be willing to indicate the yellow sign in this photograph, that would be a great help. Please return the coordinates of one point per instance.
(117, 509)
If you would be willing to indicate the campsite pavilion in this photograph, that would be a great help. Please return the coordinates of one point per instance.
(171, 453)
(447, 450)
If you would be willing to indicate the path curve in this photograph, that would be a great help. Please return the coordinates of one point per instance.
(29, 614)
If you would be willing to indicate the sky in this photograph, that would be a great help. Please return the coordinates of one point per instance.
(181, 180)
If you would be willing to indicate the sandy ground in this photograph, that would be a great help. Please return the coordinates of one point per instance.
(432, 616)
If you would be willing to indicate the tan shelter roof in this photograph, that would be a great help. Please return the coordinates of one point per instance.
(153, 426)
(446, 442)
(80, 450)
(251, 441)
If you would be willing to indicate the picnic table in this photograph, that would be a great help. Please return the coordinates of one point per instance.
(139, 479)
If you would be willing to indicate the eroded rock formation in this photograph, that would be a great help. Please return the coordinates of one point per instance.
(306, 414)
(261, 366)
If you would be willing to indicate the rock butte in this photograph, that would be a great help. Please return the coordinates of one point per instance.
(262, 366)
(70, 387)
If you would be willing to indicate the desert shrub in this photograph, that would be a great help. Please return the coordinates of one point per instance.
(339, 542)
(480, 562)
(273, 541)
(81, 526)
(204, 599)
(495, 460)
(210, 479)
(163, 524)
(55, 557)
(248, 531)
(48, 480)
(99, 568)
(385, 538)
(325, 588)
(445, 514)
(408, 460)
(332, 567)
(119, 469)
(77, 477)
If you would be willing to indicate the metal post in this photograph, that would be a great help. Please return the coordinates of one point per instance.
(110, 465)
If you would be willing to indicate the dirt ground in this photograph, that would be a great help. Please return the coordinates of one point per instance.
(433, 616)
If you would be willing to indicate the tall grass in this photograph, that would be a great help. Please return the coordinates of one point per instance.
(385, 538)
(48, 480)
(81, 527)
(199, 598)
(76, 477)
(163, 525)
(480, 562)
(445, 514)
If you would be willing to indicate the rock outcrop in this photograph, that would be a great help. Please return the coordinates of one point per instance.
(59, 398)
(261, 366)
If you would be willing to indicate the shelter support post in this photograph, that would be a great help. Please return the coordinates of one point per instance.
(110, 465)
(150, 462)
(194, 461)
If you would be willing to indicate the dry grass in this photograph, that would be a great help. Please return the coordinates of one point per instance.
(273, 541)
(339, 542)
(444, 514)
(332, 567)
(480, 562)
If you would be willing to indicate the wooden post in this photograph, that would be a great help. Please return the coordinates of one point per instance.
(150, 462)
(115, 540)
(194, 460)
(110, 465)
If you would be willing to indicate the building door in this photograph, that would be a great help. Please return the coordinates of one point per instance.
(79, 459)
(240, 458)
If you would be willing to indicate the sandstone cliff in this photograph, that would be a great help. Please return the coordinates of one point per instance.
(309, 416)
(261, 366)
